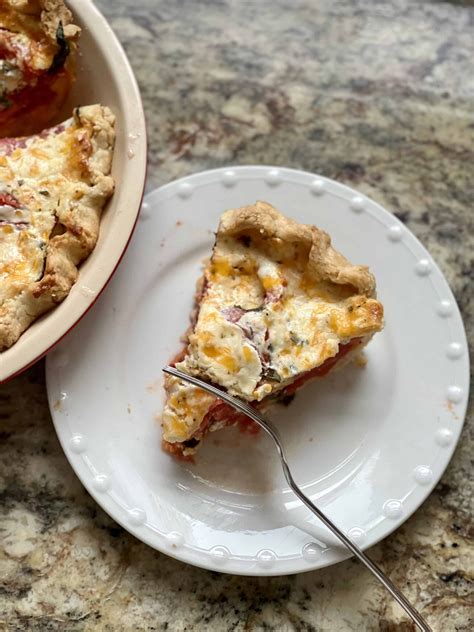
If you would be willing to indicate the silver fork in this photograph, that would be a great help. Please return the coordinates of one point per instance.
(264, 423)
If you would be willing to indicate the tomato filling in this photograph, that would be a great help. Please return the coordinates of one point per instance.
(7, 199)
(222, 413)
(324, 368)
(32, 107)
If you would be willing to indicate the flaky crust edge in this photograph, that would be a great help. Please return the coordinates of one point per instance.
(53, 12)
(325, 263)
(81, 225)
(50, 14)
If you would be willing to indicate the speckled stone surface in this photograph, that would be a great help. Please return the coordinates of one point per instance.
(379, 95)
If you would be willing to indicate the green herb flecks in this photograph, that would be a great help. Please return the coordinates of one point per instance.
(5, 102)
(63, 50)
(6, 68)
(297, 340)
(271, 374)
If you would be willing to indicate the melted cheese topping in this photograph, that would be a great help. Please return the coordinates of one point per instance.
(22, 253)
(262, 322)
(37, 174)
(185, 409)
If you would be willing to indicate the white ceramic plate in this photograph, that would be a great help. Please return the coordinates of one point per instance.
(367, 444)
(103, 76)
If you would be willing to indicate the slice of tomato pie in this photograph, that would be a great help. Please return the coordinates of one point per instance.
(277, 306)
(53, 187)
(37, 63)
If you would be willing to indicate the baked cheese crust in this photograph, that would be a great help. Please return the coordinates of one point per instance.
(37, 55)
(278, 302)
(53, 187)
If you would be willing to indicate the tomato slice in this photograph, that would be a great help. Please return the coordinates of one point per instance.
(33, 107)
(324, 368)
(7, 199)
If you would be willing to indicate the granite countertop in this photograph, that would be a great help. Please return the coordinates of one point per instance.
(376, 94)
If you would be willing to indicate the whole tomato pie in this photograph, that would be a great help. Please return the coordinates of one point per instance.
(54, 182)
(53, 187)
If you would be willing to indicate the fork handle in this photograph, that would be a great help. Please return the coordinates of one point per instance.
(270, 430)
(372, 566)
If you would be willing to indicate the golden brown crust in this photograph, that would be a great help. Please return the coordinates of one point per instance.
(82, 221)
(324, 263)
(79, 220)
(33, 16)
(54, 12)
